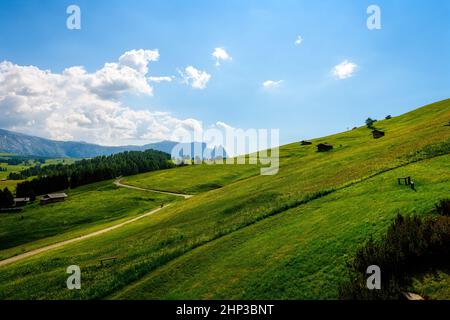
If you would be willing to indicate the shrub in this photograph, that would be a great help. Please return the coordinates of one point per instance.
(410, 245)
(443, 207)
(430, 151)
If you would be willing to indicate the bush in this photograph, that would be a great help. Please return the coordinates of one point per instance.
(410, 245)
(443, 207)
(15, 176)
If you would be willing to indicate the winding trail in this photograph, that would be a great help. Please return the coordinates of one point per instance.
(120, 184)
(95, 233)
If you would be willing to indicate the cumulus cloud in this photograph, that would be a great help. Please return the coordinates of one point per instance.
(298, 40)
(271, 84)
(139, 59)
(197, 79)
(221, 55)
(78, 105)
(344, 70)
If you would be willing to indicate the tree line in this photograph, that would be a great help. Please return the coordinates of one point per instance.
(58, 177)
(16, 160)
(6, 198)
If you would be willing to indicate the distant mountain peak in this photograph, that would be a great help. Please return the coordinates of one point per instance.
(22, 144)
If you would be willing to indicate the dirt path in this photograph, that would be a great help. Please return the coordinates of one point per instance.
(95, 233)
(119, 184)
(87, 236)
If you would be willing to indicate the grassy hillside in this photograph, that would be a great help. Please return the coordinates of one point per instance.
(301, 253)
(282, 236)
(193, 179)
(86, 209)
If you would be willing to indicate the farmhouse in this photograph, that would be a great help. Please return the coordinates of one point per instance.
(305, 143)
(53, 197)
(21, 201)
(377, 134)
(322, 147)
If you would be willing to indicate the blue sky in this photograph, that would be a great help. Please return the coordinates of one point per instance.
(402, 66)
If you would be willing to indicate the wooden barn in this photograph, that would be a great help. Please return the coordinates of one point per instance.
(53, 197)
(305, 143)
(378, 134)
(323, 147)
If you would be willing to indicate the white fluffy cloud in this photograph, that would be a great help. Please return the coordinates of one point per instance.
(271, 84)
(196, 78)
(298, 40)
(344, 70)
(78, 105)
(221, 55)
(139, 59)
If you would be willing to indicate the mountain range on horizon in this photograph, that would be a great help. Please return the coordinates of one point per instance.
(22, 144)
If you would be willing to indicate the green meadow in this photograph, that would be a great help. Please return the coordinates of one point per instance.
(86, 209)
(193, 179)
(4, 182)
(300, 254)
(243, 235)
(11, 184)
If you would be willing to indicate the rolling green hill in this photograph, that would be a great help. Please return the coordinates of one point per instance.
(286, 236)
(193, 179)
(87, 208)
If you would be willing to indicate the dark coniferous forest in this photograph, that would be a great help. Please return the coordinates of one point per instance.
(57, 177)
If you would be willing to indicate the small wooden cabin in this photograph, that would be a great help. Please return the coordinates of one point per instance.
(305, 143)
(53, 197)
(19, 202)
(323, 147)
(378, 134)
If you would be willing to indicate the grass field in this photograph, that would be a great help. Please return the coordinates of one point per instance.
(272, 259)
(281, 236)
(193, 179)
(11, 184)
(87, 208)
(10, 168)
(434, 285)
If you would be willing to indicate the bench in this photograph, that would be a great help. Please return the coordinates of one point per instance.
(406, 180)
